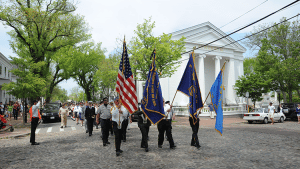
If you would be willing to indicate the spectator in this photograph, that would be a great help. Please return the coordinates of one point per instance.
(298, 113)
(271, 111)
(211, 110)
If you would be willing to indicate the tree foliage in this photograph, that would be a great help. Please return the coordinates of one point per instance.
(107, 74)
(40, 28)
(142, 45)
(59, 94)
(278, 57)
(87, 58)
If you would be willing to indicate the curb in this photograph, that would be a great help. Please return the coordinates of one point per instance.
(15, 136)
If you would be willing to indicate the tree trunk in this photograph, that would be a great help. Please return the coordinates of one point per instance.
(23, 101)
(284, 97)
(88, 95)
(290, 97)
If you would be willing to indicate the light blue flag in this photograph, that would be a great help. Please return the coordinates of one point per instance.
(216, 94)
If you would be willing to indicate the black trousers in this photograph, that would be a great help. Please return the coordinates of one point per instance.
(90, 125)
(195, 129)
(124, 129)
(34, 124)
(105, 125)
(145, 131)
(111, 128)
(15, 113)
(118, 136)
(163, 126)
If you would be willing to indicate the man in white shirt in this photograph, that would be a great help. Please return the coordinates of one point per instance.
(165, 125)
(34, 121)
(271, 112)
(118, 112)
(76, 110)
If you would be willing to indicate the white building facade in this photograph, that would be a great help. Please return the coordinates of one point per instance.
(6, 77)
(208, 65)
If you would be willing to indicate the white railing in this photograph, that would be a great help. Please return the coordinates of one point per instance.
(232, 110)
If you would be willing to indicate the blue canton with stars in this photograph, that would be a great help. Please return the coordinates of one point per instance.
(127, 69)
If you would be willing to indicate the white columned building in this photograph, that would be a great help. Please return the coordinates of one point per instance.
(208, 61)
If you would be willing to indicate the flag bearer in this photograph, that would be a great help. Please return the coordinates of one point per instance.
(165, 125)
(117, 118)
(90, 115)
(144, 125)
(195, 129)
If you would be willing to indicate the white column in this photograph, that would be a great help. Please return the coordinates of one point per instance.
(217, 65)
(231, 82)
(202, 76)
(241, 71)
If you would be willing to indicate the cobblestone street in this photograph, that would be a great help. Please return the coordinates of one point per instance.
(241, 146)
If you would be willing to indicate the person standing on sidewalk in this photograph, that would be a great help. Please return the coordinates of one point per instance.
(10, 110)
(195, 129)
(34, 116)
(63, 114)
(16, 111)
(271, 111)
(105, 116)
(90, 115)
(298, 113)
(1, 109)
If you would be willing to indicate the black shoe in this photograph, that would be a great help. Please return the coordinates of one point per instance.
(86, 131)
(143, 146)
(172, 147)
(159, 146)
(108, 142)
(193, 144)
(121, 151)
(118, 153)
(61, 127)
(198, 147)
(104, 144)
(147, 149)
(35, 143)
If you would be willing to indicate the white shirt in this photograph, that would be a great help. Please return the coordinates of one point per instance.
(35, 112)
(271, 109)
(168, 114)
(76, 108)
(115, 115)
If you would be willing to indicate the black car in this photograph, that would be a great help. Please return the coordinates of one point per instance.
(50, 112)
(289, 110)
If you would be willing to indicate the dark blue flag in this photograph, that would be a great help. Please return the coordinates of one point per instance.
(152, 102)
(216, 94)
(189, 85)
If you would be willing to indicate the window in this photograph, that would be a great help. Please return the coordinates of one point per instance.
(5, 72)
(0, 69)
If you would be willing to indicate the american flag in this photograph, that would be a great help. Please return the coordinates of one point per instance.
(125, 83)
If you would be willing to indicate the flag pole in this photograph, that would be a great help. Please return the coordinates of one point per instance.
(174, 97)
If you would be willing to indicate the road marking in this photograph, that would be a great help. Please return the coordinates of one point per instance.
(73, 128)
(61, 129)
(49, 130)
(37, 131)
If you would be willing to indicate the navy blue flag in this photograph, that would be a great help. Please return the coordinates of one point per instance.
(189, 85)
(216, 94)
(152, 102)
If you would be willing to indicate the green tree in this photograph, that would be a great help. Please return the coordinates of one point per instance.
(278, 56)
(142, 45)
(40, 28)
(59, 94)
(107, 74)
(255, 84)
(87, 58)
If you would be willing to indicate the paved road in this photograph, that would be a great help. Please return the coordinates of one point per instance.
(241, 146)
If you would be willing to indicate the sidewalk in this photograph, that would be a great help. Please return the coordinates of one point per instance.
(19, 129)
(206, 121)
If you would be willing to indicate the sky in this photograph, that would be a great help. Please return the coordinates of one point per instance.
(113, 19)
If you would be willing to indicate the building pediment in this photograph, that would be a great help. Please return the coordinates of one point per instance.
(205, 33)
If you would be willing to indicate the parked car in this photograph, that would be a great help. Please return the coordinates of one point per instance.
(50, 112)
(262, 115)
(289, 110)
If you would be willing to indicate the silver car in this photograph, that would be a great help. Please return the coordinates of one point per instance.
(262, 115)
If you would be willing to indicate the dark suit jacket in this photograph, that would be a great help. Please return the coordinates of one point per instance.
(89, 112)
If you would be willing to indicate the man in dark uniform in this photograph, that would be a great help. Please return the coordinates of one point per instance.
(144, 125)
(195, 128)
(90, 115)
(165, 125)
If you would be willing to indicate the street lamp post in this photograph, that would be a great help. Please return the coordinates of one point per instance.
(247, 95)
